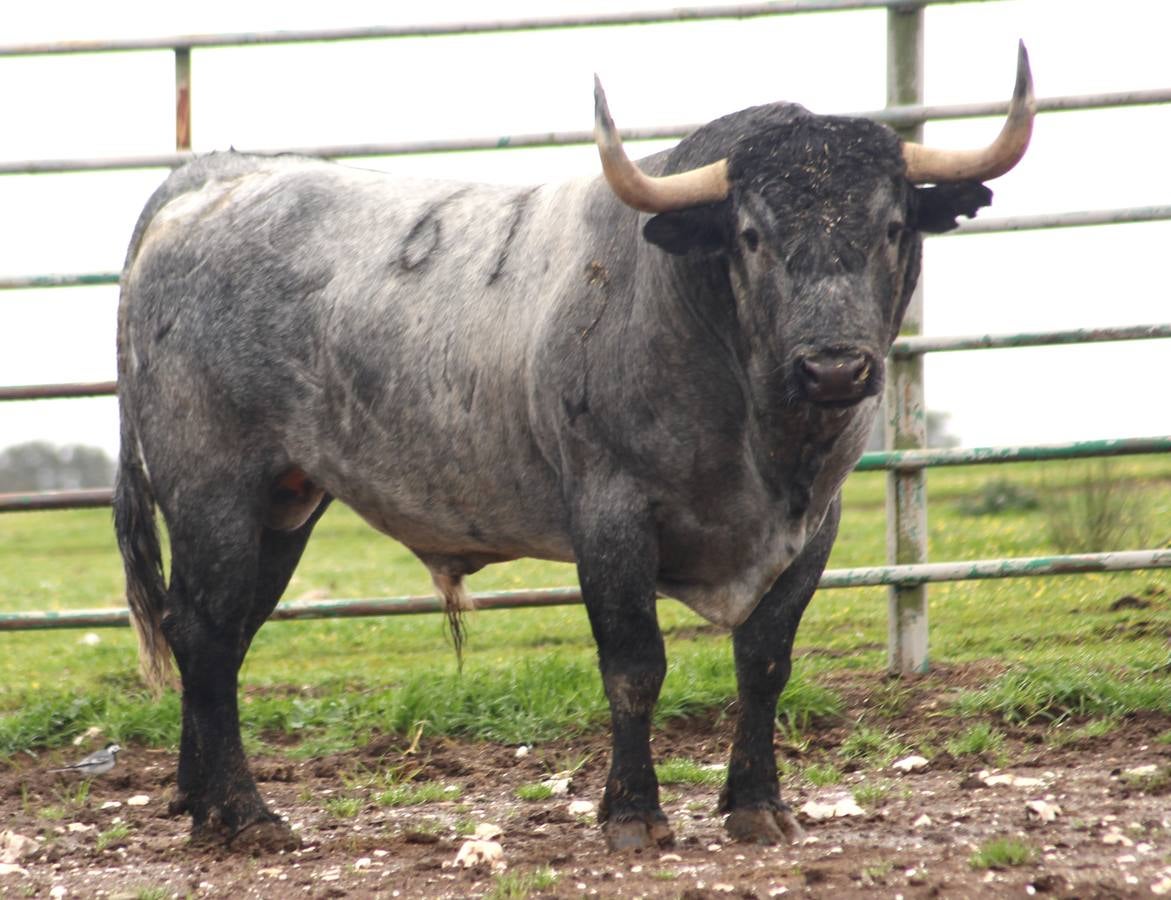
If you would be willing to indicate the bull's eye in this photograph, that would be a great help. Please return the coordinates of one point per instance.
(751, 239)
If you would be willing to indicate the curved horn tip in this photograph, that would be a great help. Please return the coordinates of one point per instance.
(602, 117)
(1024, 75)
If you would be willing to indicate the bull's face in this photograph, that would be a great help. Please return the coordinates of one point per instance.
(817, 223)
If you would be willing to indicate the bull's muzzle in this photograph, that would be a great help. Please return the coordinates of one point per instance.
(838, 377)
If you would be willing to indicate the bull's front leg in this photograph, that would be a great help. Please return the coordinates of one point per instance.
(617, 565)
(763, 646)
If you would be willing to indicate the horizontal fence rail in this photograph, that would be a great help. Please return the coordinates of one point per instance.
(870, 576)
(496, 26)
(895, 116)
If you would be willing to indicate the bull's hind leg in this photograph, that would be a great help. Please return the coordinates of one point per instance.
(616, 565)
(227, 574)
(763, 648)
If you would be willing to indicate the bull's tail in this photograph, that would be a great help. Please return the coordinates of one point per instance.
(138, 540)
(456, 602)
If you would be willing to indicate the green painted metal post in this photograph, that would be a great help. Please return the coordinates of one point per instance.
(906, 415)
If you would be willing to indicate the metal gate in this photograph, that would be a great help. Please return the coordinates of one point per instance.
(908, 571)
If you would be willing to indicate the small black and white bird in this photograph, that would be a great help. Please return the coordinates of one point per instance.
(97, 763)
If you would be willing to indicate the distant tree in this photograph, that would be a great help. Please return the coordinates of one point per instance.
(41, 466)
(937, 433)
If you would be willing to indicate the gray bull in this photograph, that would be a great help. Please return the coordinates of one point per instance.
(486, 373)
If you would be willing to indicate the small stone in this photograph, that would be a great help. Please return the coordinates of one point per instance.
(723, 888)
(486, 831)
(58, 891)
(909, 763)
(1162, 886)
(558, 787)
(363, 862)
(381, 853)
(581, 807)
(80, 827)
(138, 800)
(670, 857)
(522, 751)
(476, 853)
(1114, 836)
(15, 847)
(12, 869)
(1043, 810)
(922, 822)
(88, 735)
(111, 804)
(1142, 771)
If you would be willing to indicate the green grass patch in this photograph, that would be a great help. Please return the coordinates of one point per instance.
(689, 772)
(534, 792)
(343, 807)
(418, 793)
(518, 885)
(976, 740)
(822, 774)
(1054, 694)
(1002, 853)
(871, 794)
(114, 836)
(872, 746)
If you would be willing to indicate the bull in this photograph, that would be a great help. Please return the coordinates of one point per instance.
(663, 374)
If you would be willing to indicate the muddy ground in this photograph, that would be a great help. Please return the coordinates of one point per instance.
(1110, 835)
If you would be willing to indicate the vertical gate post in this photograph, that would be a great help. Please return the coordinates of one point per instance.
(906, 414)
(182, 98)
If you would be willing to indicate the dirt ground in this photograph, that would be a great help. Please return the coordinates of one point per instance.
(1109, 836)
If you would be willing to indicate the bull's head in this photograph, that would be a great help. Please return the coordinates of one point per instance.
(817, 221)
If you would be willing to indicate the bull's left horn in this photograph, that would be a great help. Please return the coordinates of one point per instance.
(707, 184)
(940, 166)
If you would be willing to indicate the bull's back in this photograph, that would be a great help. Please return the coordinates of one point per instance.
(371, 331)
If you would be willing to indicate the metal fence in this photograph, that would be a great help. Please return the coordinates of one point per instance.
(908, 571)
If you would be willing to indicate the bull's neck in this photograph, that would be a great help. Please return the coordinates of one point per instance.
(791, 441)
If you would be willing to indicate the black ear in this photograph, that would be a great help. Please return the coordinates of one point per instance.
(680, 232)
(936, 208)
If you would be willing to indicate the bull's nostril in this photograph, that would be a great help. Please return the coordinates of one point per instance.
(836, 376)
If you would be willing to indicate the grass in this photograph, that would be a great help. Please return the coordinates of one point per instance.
(1002, 853)
(871, 794)
(518, 885)
(872, 746)
(114, 836)
(531, 675)
(689, 772)
(534, 792)
(977, 740)
(343, 807)
(418, 794)
(822, 774)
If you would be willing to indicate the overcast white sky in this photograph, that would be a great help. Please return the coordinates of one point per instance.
(258, 98)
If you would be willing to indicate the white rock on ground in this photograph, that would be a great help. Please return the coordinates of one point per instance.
(838, 808)
(1043, 810)
(909, 763)
(15, 847)
(481, 853)
(486, 831)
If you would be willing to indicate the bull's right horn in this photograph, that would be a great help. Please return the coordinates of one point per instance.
(927, 164)
(707, 184)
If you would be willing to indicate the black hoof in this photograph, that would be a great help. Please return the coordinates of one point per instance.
(637, 834)
(764, 825)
